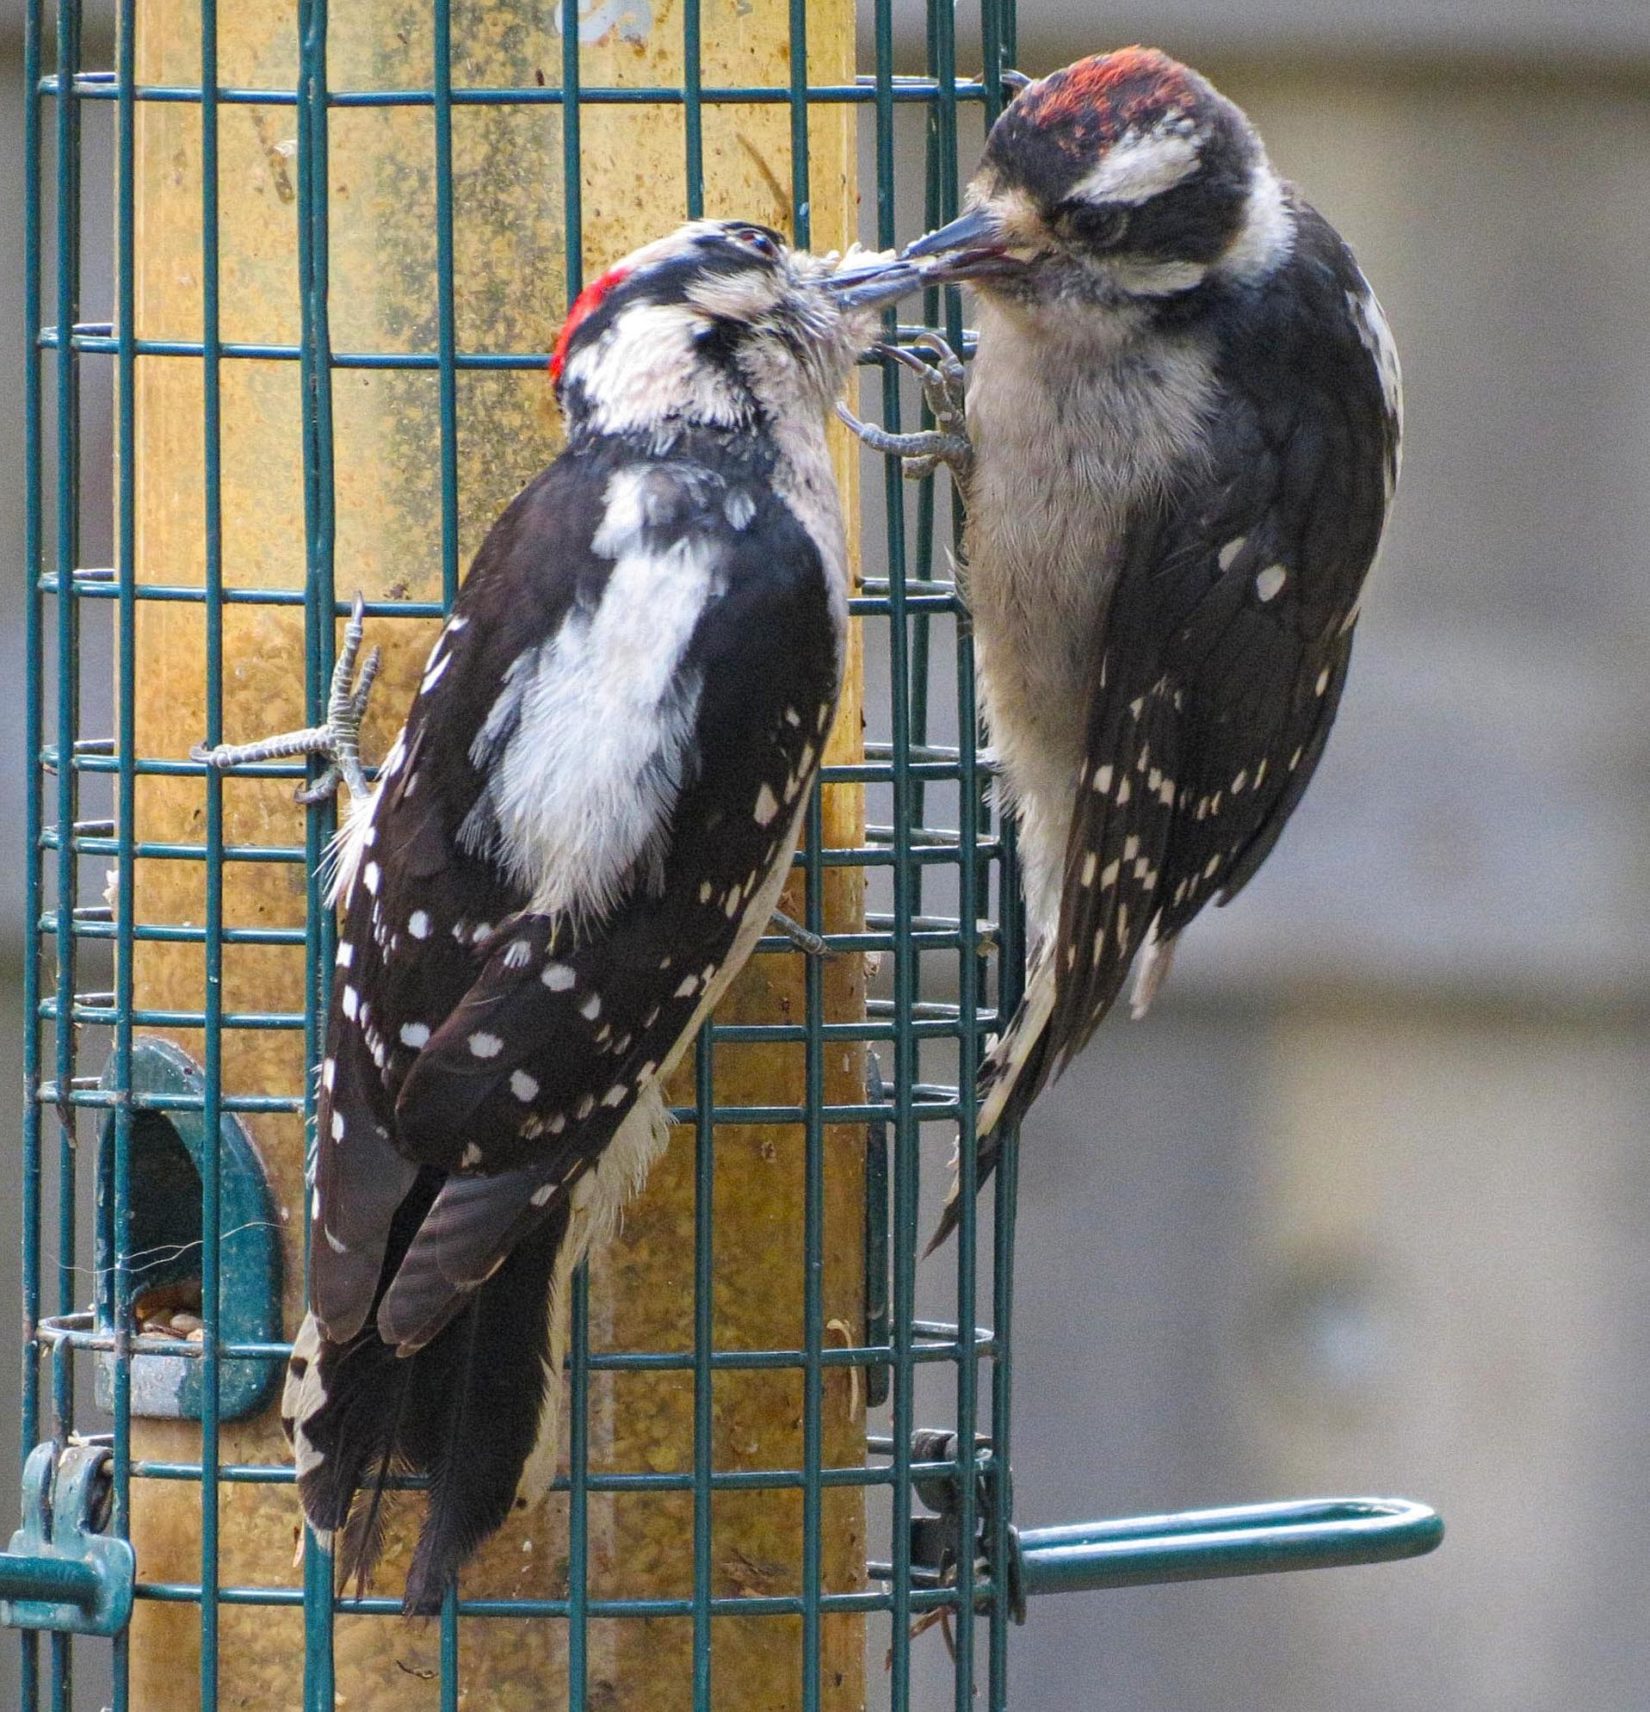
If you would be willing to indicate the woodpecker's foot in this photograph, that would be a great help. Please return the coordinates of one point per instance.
(803, 938)
(943, 386)
(339, 740)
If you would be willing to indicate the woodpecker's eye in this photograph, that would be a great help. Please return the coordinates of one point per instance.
(1102, 228)
(759, 239)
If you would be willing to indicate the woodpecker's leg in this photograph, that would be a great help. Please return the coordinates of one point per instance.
(339, 740)
(943, 386)
(803, 938)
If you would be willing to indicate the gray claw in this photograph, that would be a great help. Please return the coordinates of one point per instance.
(944, 380)
(922, 452)
(804, 938)
(944, 384)
(339, 740)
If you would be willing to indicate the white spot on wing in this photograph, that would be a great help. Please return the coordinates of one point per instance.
(418, 924)
(523, 1086)
(439, 662)
(558, 977)
(415, 1034)
(485, 1045)
(1270, 581)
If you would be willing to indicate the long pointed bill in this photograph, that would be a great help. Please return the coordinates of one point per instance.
(970, 247)
(975, 230)
(871, 285)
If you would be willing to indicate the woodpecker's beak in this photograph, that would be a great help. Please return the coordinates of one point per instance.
(973, 246)
(871, 285)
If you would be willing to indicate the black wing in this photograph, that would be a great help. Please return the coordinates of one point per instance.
(1227, 642)
(505, 1047)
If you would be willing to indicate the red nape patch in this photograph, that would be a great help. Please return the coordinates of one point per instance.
(585, 304)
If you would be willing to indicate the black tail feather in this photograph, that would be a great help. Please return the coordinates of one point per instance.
(360, 1544)
(464, 1411)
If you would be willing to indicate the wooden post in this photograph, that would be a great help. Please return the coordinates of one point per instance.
(509, 293)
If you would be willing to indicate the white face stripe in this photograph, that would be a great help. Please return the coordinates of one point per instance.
(1140, 277)
(648, 353)
(1141, 165)
(1268, 228)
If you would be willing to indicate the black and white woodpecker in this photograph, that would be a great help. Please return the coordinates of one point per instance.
(1180, 442)
(572, 847)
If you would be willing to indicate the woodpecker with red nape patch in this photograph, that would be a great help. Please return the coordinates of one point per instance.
(572, 848)
(1178, 449)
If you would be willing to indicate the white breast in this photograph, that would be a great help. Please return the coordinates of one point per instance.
(1071, 434)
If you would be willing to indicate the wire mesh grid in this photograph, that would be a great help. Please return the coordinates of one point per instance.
(935, 867)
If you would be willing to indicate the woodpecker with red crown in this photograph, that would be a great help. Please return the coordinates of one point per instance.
(1180, 442)
(572, 847)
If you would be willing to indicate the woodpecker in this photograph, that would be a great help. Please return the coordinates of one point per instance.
(572, 847)
(1177, 451)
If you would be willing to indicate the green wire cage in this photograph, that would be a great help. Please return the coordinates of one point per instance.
(452, 165)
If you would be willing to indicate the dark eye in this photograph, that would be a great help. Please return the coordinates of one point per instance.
(754, 237)
(1102, 227)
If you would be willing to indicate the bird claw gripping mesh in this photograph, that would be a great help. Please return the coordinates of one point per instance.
(338, 741)
(943, 384)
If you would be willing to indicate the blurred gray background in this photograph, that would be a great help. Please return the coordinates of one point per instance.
(1365, 1206)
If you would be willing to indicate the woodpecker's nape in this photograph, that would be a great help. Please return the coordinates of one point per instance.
(1184, 417)
(572, 847)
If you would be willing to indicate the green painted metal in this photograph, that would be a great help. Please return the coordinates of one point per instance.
(63, 1572)
(177, 1181)
(1206, 1545)
(944, 1488)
